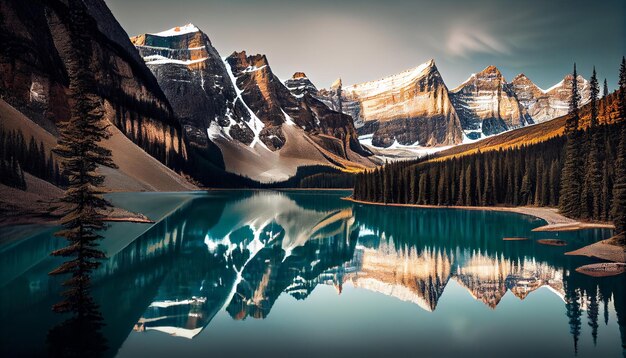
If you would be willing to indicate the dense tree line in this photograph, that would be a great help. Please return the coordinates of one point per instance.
(582, 172)
(17, 157)
(526, 175)
(328, 181)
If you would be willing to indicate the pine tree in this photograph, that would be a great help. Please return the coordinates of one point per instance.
(605, 100)
(595, 92)
(79, 149)
(573, 312)
(555, 179)
(571, 177)
(592, 315)
(593, 169)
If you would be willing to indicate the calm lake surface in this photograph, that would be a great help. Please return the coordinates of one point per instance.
(265, 273)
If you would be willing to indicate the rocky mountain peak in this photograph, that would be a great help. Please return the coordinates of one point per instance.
(520, 77)
(299, 84)
(243, 60)
(336, 84)
(410, 107)
(491, 70)
(487, 105)
(542, 105)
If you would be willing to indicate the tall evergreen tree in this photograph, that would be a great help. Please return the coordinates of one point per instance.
(591, 204)
(81, 153)
(571, 177)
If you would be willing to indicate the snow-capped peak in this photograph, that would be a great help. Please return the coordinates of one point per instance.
(398, 80)
(178, 30)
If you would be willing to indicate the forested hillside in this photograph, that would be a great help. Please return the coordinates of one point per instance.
(580, 169)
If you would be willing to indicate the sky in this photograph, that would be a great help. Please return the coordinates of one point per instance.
(365, 40)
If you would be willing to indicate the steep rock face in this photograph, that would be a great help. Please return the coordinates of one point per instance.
(543, 105)
(333, 99)
(34, 79)
(486, 105)
(275, 105)
(195, 80)
(299, 84)
(412, 107)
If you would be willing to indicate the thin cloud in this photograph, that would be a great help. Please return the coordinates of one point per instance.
(463, 42)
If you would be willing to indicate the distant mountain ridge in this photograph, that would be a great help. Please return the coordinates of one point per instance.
(487, 105)
(395, 108)
(543, 105)
(411, 107)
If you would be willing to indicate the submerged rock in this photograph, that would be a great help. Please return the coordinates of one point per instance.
(552, 242)
(602, 269)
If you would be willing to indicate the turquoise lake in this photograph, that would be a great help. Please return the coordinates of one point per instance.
(304, 273)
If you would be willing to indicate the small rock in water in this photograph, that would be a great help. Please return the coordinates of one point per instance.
(602, 269)
(514, 239)
(552, 242)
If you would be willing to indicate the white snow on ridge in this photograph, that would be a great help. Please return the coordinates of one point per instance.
(160, 60)
(171, 49)
(396, 81)
(560, 84)
(178, 30)
(472, 77)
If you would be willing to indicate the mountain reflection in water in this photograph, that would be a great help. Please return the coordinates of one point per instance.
(239, 251)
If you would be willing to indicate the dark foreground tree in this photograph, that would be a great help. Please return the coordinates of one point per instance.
(81, 153)
(571, 177)
(78, 336)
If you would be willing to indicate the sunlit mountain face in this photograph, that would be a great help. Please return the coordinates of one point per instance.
(238, 261)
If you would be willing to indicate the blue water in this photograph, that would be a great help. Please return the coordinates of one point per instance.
(266, 273)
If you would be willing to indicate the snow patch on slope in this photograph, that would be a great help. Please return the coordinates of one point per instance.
(178, 30)
(255, 124)
(560, 84)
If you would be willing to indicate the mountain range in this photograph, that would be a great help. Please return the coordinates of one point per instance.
(415, 107)
(263, 129)
(227, 120)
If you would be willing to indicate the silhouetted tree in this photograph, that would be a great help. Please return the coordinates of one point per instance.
(79, 149)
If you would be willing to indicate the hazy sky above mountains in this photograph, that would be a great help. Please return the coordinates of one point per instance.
(366, 40)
